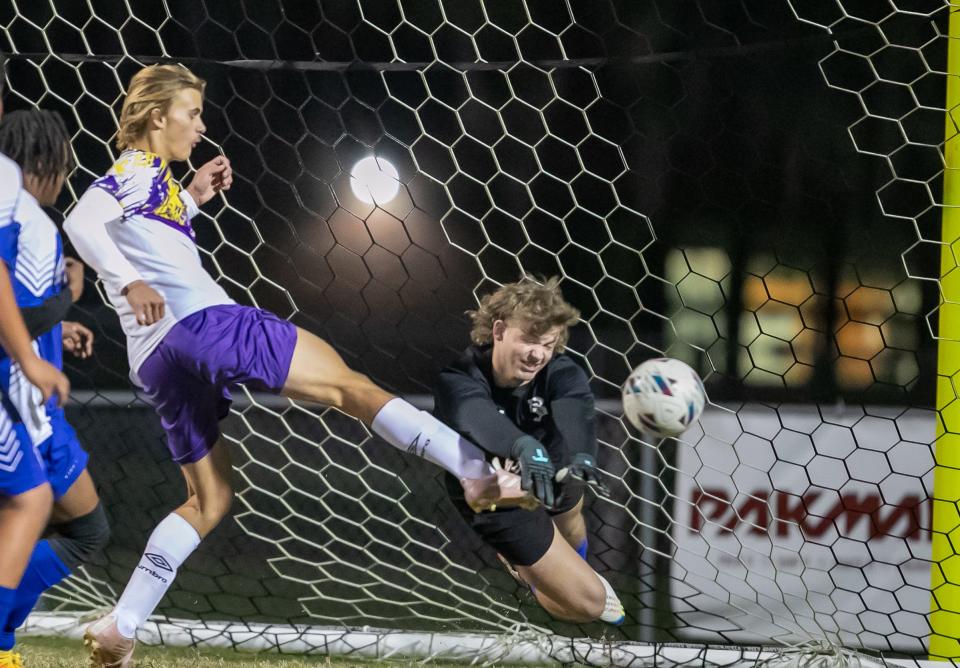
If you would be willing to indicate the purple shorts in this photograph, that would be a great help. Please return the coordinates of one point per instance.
(187, 378)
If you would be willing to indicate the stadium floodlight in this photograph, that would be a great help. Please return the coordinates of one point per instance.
(374, 180)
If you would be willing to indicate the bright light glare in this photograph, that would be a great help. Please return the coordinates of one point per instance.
(374, 180)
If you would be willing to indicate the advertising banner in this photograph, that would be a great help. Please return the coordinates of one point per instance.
(801, 523)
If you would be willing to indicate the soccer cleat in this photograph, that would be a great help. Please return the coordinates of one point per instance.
(10, 659)
(613, 612)
(501, 488)
(108, 649)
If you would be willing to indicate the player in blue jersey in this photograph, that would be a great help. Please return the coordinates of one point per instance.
(25, 495)
(188, 342)
(45, 285)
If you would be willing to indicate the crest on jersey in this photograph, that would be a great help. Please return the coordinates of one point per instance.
(538, 408)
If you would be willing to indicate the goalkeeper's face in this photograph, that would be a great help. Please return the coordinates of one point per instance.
(182, 126)
(518, 355)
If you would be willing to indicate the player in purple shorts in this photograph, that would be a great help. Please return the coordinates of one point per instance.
(189, 343)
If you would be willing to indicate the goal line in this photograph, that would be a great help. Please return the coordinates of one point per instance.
(526, 646)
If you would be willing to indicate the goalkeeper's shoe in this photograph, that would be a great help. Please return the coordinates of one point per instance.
(108, 648)
(613, 612)
(10, 659)
(500, 489)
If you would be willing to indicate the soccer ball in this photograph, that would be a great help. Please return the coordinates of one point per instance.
(663, 396)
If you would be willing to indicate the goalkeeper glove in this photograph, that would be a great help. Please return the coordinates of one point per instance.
(536, 469)
(583, 468)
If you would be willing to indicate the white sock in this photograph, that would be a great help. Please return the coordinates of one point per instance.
(170, 544)
(419, 433)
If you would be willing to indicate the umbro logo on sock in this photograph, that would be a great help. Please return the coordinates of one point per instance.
(159, 561)
(415, 448)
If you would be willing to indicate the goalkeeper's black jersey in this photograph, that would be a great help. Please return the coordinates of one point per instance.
(556, 407)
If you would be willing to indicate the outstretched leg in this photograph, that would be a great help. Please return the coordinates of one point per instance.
(318, 373)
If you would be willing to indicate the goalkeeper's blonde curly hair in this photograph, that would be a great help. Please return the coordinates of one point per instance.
(151, 88)
(539, 306)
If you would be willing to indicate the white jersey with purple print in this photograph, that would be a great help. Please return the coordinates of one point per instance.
(147, 218)
(38, 272)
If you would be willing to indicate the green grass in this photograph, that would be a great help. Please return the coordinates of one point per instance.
(64, 653)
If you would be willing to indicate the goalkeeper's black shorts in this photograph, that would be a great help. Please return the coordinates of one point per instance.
(521, 536)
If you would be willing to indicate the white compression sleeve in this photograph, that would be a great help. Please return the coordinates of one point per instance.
(87, 228)
(419, 433)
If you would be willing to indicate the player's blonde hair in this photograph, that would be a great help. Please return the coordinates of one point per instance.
(538, 305)
(151, 88)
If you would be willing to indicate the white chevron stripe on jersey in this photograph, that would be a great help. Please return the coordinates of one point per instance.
(6, 425)
(28, 401)
(35, 273)
(10, 447)
(35, 259)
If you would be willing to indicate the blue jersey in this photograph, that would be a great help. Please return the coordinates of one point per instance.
(32, 249)
(21, 466)
(33, 253)
(38, 270)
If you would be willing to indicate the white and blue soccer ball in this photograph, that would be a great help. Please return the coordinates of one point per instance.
(663, 396)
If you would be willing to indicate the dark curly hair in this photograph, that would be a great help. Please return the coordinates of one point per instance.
(38, 141)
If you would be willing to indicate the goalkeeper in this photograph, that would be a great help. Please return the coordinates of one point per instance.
(518, 397)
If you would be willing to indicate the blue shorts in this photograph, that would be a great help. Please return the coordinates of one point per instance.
(21, 466)
(62, 455)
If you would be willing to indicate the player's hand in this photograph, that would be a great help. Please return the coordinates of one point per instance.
(74, 277)
(499, 490)
(147, 303)
(47, 378)
(210, 178)
(536, 470)
(77, 339)
(583, 468)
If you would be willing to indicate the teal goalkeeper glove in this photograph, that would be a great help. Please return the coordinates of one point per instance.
(536, 469)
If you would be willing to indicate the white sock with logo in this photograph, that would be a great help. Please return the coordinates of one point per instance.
(419, 433)
(170, 544)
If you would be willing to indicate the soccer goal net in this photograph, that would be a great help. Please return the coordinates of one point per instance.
(755, 187)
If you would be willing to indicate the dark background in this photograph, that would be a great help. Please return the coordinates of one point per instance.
(612, 143)
(586, 140)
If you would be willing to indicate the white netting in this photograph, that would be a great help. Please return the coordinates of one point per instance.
(686, 167)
